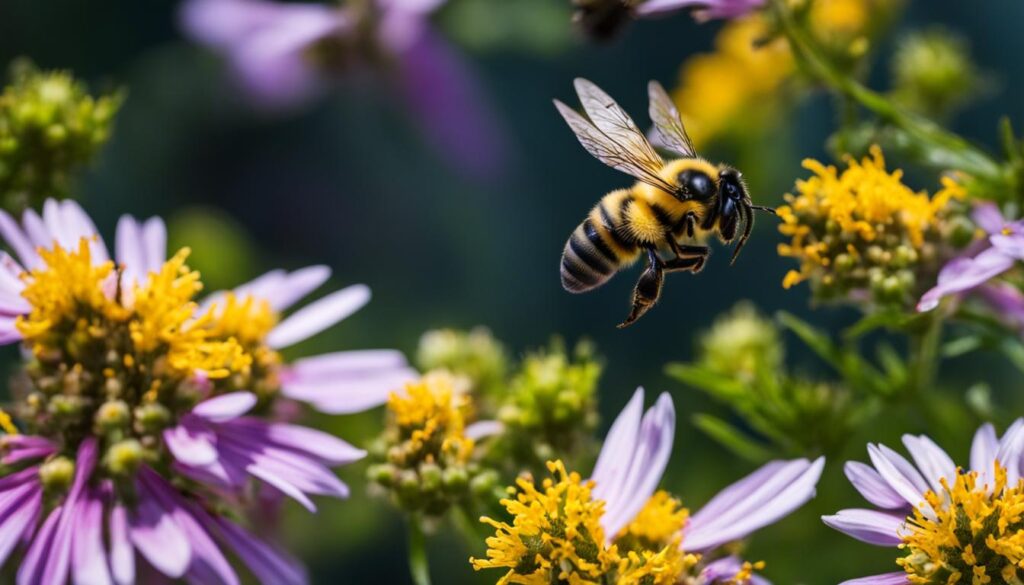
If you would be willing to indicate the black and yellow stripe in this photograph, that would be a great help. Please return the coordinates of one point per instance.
(599, 246)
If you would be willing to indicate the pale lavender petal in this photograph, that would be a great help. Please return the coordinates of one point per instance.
(128, 249)
(88, 556)
(659, 7)
(32, 566)
(734, 494)
(619, 446)
(964, 274)
(898, 578)
(305, 440)
(18, 240)
(349, 394)
(58, 562)
(1010, 244)
(225, 407)
(1011, 448)
(122, 555)
(871, 485)
(76, 219)
(318, 315)
(156, 535)
(191, 445)
(450, 105)
(154, 239)
(20, 511)
(332, 365)
(223, 23)
(934, 463)
(36, 230)
(983, 448)
(1006, 299)
(296, 285)
(484, 428)
(780, 495)
(870, 526)
(268, 564)
(708, 9)
(987, 216)
(724, 569)
(647, 465)
(898, 473)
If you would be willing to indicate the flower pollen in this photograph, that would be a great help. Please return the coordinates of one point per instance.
(970, 534)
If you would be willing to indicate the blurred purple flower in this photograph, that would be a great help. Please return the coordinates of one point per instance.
(996, 254)
(705, 9)
(899, 490)
(284, 54)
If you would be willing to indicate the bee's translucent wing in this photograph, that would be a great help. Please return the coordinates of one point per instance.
(668, 123)
(612, 137)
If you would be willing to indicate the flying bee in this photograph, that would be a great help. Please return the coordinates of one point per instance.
(671, 202)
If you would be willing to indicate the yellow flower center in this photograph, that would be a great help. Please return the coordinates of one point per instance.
(431, 416)
(861, 217)
(556, 537)
(969, 534)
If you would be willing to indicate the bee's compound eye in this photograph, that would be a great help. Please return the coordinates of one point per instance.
(696, 184)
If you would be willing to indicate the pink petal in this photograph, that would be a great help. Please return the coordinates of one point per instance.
(225, 407)
(122, 556)
(153, 531)
(870, 526)
(88, 557)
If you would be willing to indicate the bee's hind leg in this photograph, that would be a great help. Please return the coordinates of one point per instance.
(648, 287)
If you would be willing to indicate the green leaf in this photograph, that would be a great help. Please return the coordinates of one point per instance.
(708, 381)
(731, 438)
(815, 339)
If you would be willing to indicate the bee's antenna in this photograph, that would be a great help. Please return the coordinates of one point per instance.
(770, 210)
(747, 217)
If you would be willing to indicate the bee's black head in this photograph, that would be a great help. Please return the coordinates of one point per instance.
(733, 203)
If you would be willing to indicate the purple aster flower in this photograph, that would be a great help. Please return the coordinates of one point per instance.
(926, 507)
(164, 389)
(285, 54)
(997, 253)
(705, 9)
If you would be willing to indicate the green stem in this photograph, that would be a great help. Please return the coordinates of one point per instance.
(419, 566)
(945, 149)
(924, 353)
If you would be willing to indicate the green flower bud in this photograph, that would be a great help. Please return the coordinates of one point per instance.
(382, 474)
(483, 483)
(475, 354)
(454, 479)
(114, 414)
(151, 418)
(57, 473)
(430, 477)
(124, 457)
(933, 72)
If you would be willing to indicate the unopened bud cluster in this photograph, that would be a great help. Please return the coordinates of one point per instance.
(425, 460)
(50, 126)
(933, 72)
(474, 354)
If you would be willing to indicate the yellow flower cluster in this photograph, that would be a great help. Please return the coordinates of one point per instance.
(70, 294)
(556, 536)
(862, 228)
(431, 415)
(970, 533)
(736, 87)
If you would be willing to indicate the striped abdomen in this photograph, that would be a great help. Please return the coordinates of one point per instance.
(599, 246)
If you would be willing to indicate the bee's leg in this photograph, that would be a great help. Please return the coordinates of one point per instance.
(687, 257)
(648, 287)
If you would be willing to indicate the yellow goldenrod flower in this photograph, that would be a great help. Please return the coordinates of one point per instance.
(863, 229)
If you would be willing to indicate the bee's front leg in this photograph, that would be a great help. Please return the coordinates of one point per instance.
(648, 287)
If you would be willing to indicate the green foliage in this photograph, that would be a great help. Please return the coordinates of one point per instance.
(50, 127)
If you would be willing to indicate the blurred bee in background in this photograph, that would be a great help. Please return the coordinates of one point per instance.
(678, 200)
(601, 20)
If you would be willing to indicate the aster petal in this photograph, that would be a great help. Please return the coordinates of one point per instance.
(964, 274)
(296, 285)
(870, 484)
(58, 558)
(647, 465)
(154, 240)
(81, 226)
(898, 578)
(484, 428)
(18, 514)
(348, 392)
(983, 448)
(870, 526)
(934, 463)
(36, 230)
(128, 248)
(619, 445)
(190, 444)
(724, 569)
(661, 7)
(318, 315)
(987, 216)
(791, 486)
(268, 564)
(88, 557)
(18, 240)
(34, 564)
(225, 407)
(898, 473)
(156, 535)
(312, 442)
(1011, 448)
(1012, 244)
(122, 556)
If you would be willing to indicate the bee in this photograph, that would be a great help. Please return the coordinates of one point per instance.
(602, 19)
(670, 203)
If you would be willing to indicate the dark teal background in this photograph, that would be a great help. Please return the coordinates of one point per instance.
(349, 182)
